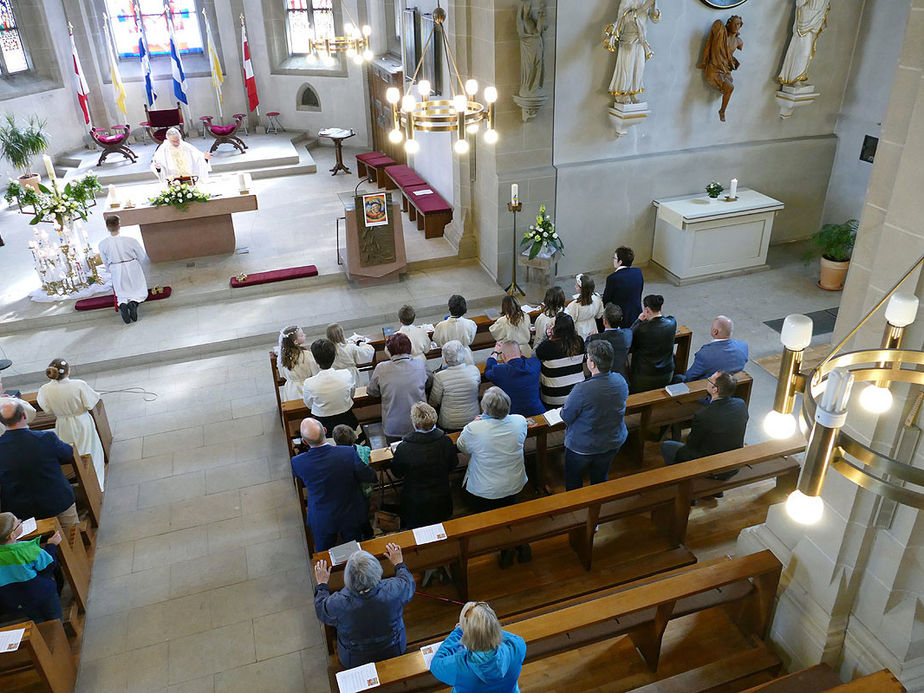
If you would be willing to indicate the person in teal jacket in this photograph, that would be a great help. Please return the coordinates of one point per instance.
(478, 656)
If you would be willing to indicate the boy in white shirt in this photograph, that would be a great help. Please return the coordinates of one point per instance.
(455, 326)
(420, 338)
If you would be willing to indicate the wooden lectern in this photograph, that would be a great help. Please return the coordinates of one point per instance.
(374, 237)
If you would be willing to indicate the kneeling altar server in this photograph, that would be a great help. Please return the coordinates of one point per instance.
(122, 257)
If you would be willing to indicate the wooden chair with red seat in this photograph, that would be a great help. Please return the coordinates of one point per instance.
(113, 142)
(161, 120)
(225, 134)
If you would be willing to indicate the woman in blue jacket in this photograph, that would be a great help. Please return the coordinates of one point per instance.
(478, 655)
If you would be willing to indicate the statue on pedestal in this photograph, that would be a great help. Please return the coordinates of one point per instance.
(810, 22)
(719, 57)
(531, 25)
(627, 37)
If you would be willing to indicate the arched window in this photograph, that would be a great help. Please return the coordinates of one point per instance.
(308, 20)
(124, 15)
(12, 53)
(308, 99)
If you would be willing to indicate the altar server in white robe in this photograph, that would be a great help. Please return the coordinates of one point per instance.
(122, 257)
(178, 159)
(71, 401)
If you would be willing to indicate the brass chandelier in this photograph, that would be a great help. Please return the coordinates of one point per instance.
(826, 392)
(355, 43)
(461, 114)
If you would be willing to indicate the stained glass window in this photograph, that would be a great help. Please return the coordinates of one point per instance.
(124, 16)
(11, 48)
(308, 20)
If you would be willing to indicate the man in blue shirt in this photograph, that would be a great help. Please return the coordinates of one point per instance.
(333, 475)
(721, 354)
(595, 415)
(516, 375)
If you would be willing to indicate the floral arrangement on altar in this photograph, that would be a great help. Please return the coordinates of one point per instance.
(179, 195)
(714, 189)
(60, 205)
(541, 235)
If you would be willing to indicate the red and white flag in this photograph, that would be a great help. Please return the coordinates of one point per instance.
(250, 82)
(83, 92)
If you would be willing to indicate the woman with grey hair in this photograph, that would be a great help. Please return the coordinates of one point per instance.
(496, 471)
(455, 388)
(478, 656)
(368, 612)
(424, 460)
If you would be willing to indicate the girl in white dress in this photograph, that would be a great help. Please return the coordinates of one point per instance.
(553, 304)
(294, 361)
(512, 325)
(586, 308)
(349, 355)
(71, 401)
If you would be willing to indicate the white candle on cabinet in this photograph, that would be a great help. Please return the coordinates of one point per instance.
(733, 191)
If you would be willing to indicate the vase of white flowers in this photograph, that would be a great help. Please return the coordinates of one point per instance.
(179, 195)
(542, 237)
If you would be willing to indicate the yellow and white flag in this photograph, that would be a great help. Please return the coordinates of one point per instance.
(118, 89)
(214, 62)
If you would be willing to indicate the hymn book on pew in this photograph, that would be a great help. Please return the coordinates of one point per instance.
(677, 389)
(341, 554)
(427, 535)
(27, 527)
(360, 678)
(553, 417)
(429, 651)
(10, 639)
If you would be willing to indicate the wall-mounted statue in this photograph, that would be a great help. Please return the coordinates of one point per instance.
(531, 25)
(810, 21)
(719, 57)
(627, 37)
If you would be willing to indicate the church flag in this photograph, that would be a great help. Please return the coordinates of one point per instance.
(176, 65)
(118, 88)
(144, 56)
(250, 82)
(83, 92)
(214, 62)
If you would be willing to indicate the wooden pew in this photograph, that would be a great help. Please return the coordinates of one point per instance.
(744, 586)
(45, 654)
(45, 421)
(820, 678)
(88, 493)
(75, 564)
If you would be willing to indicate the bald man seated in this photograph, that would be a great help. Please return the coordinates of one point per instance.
(337, 509)
(721, 354)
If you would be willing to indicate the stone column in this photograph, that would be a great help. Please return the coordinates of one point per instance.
(852, 587)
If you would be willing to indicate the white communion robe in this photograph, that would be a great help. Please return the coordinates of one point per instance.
(71, 401)
(122, 257)
(184, 160)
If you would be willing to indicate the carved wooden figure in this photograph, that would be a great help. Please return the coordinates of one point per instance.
(719, 57)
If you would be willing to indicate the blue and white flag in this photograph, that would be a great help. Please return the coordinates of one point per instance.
(146, 70)
(176, 65)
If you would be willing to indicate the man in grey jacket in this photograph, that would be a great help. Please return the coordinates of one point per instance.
(400, 382)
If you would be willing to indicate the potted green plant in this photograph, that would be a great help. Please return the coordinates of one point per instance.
(19, 144)
(833, 245)
(714, 189)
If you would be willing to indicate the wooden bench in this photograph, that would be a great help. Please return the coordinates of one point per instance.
(43, 659)
(428, 209)
(400, 177)
(362, 170)
(745, 587)
(75, 565)
(375, 169)
(820, 678)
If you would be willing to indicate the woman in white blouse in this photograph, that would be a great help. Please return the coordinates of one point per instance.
(349, 355)
(294, 361)
(71, 401)
(586, 308)
(512, 325)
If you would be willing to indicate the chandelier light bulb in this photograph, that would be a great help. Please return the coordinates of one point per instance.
(491, 136)
(490, 94)
(367, 30)
(806, 510)
(392, 95)
(472, 128)
(901, 310)
(424, 88)
(408, 103)
(329, 61)
(411, 146)
(395, 136)
(461, 146)
(779, 426)
(796, 333)
(471, 87)
(875, 399)
(460, 102)
(358, 59)
(368, 55)
(351, 52)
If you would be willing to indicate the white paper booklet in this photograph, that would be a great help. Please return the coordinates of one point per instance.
(10, 639)
(427, 535)
(358, 679)
(428, 651)
(341, 554)
(553, 416)
(28, 526)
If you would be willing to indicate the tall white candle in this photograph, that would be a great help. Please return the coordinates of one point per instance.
(242, 181)
(113, 196)
(514, 194)
(49, 167)
(733, 192)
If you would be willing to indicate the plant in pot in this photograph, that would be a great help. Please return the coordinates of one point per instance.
(833, 245)
(19, 144)
(713, 190)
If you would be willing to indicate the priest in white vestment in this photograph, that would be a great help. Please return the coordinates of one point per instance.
(71, 401)
(122, 257)
(178, 159)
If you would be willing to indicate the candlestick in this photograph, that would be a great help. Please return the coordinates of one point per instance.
(514, 194)
(733, 190)
(49, 166)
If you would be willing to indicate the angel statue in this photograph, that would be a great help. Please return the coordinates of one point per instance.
(627, 37)
(719, 57)
(810, 21)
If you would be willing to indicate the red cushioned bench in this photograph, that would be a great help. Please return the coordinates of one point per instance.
(430, 211)
(401, 176)
(361, 160)
(377, 167)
